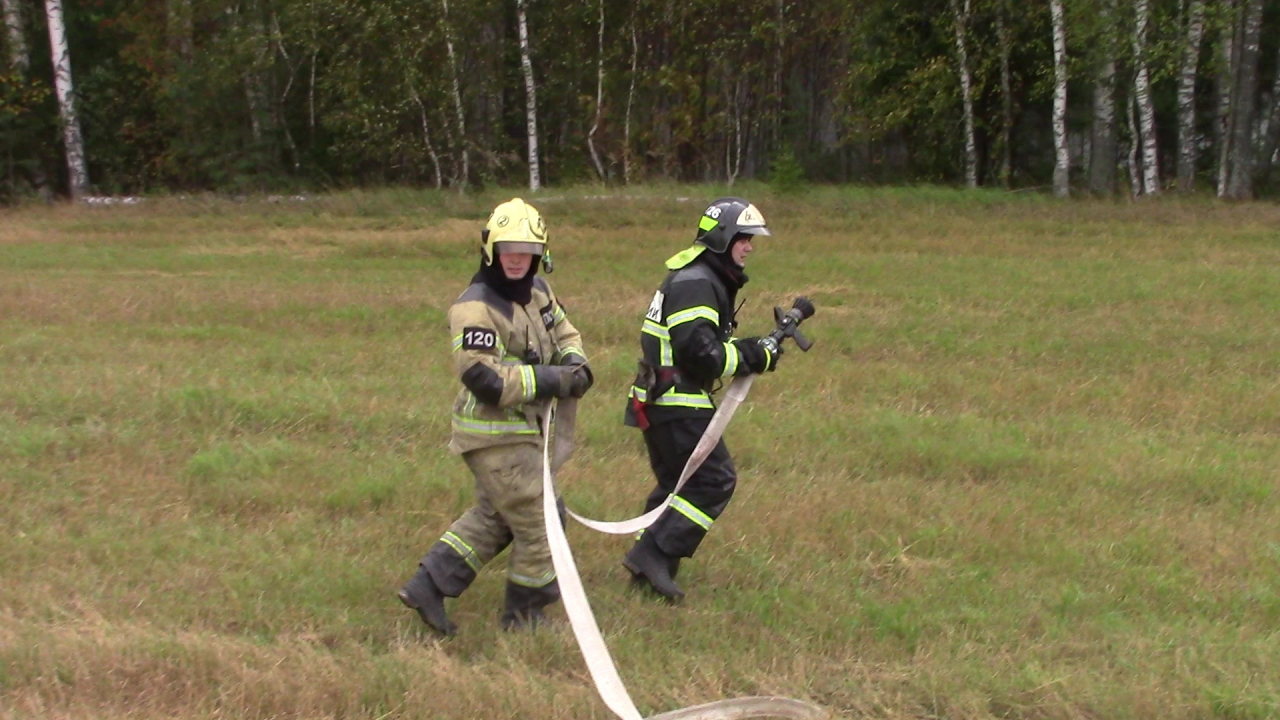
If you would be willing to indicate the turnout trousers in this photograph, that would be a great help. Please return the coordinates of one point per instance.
(508, 511)
(680, 529)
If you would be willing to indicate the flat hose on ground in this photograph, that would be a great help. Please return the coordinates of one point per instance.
(743, 708)
(599, 662)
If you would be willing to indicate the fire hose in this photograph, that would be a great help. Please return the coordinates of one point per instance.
(787, 326)
(581, 618)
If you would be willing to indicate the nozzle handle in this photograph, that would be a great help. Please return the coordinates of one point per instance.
(788, 322)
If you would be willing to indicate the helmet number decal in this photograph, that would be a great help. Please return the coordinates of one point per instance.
(479, 338)
(655, 307)
(713, 212)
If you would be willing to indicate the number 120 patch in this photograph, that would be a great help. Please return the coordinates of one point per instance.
(479, 338)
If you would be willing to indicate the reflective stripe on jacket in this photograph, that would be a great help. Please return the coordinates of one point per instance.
(687, 333)
(505, 342)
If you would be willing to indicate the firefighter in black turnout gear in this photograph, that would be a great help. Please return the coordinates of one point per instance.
(688, 349)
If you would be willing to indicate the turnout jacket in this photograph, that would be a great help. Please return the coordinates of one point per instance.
(686, 341)
(503, 353)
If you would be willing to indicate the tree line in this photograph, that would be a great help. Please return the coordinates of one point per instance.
(1099, 96)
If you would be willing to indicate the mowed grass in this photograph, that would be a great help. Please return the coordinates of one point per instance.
(1030, 469)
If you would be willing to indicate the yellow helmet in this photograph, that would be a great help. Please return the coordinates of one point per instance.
(518, 227)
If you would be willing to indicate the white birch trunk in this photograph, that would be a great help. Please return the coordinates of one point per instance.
(1240, 178)
(961, 22)
(426, 138)
(1102, 130)
(531, 97)
(1062, 159)
(278, 115)
(631, 94)
(733, 150)
(17, 40)
(77, 170)
(1187, 97)
(1102, 159)
(1226, 84)
(1135, 165)
(464, 173)
(591, 135)
(1142, 94)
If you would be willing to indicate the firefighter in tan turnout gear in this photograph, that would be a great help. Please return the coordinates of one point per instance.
(688, 348)
(514, 349)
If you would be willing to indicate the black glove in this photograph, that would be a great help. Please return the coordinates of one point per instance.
(560, 381)
(583, 377)
(760, 354)
(580, 380)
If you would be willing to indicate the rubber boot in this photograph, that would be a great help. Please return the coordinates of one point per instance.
(523, 605)
(673, 568)
(421, 594)
(646, 560)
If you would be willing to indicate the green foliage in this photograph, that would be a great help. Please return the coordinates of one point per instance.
(286, 94)
(786, 174)
(24, 120)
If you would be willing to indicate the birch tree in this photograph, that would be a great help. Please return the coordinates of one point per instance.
(960, 21)
(426, 137)
(1187, 150)
(1102, 138)
(1240, 176)
(1229, 61)
(464, 172)
(631, 95)
(1142, 96)
(591, 135)
(77, 171)
(1062, 159)
(17, 40)
(1134, 163)
(531, 97)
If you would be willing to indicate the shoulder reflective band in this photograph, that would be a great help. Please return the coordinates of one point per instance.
(733, 397)
(596, 654)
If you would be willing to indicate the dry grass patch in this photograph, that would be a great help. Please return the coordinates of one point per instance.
(1028, 470)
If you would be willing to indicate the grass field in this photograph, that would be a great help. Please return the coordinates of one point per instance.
(1028, 471)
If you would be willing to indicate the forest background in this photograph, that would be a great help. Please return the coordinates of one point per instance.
(1108, 96)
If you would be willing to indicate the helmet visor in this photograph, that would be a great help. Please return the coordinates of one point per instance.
(510, 246)
(758, 230)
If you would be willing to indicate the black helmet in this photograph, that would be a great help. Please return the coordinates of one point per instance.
(725, 219)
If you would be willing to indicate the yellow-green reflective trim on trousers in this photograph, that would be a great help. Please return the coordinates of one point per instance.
(674, 399)
(462, 548)
(492, 427)
(693, 313)
(538, 582)
(686, 508)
